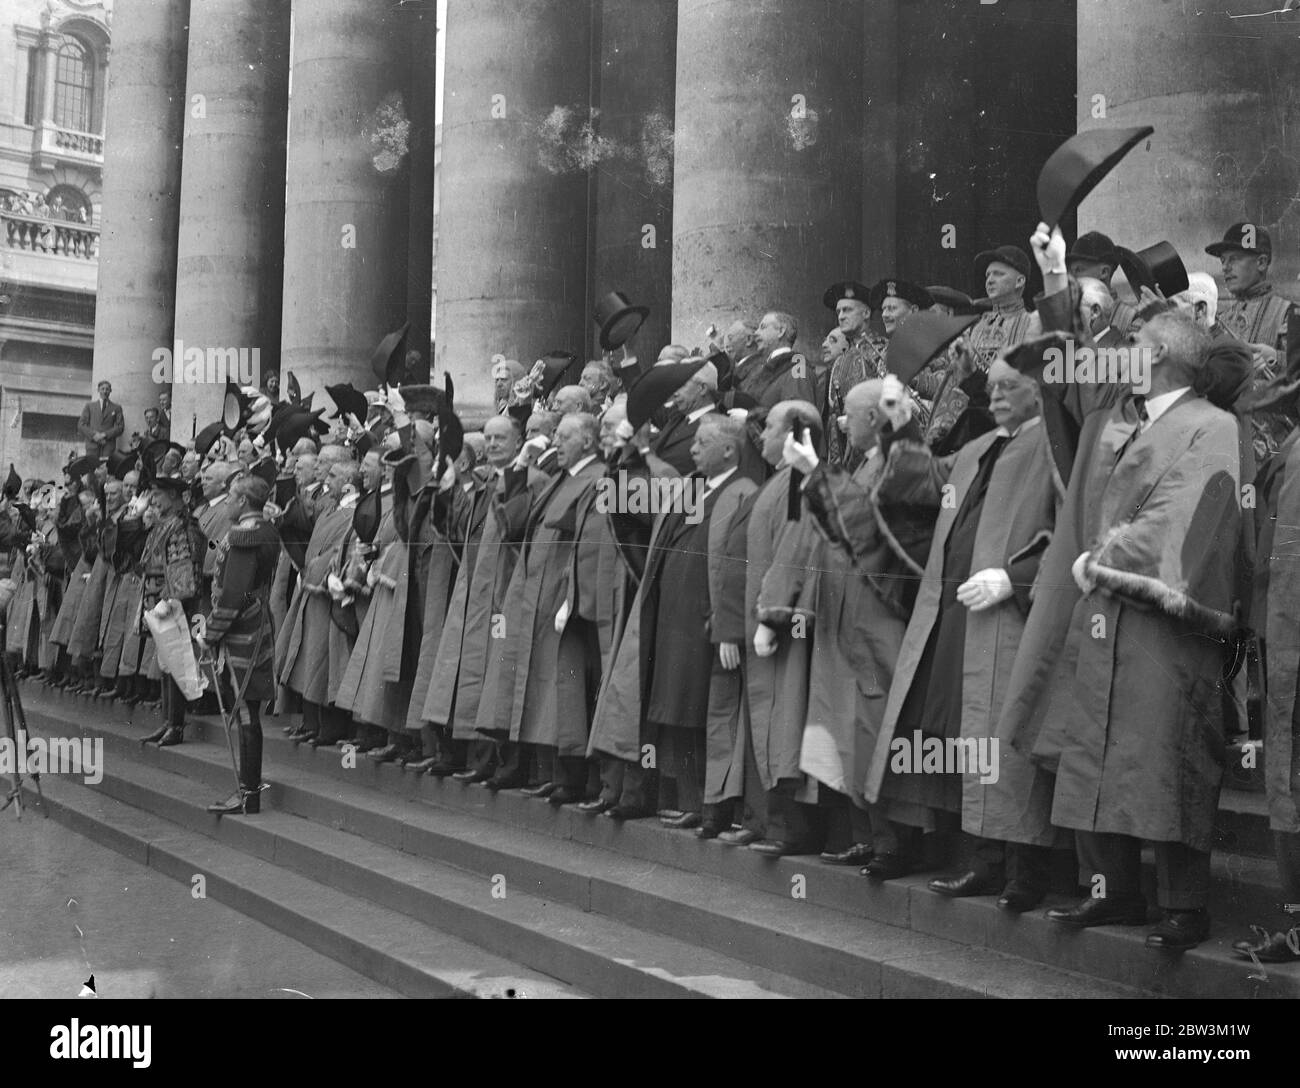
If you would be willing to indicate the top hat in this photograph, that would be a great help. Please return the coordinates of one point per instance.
(348, 401)
(389, 359)
(1238, 235)
(849, 289)
(562, 368)
(655, 386)
(920, 338)
(119, 464)
(618, 319)
(82, 466)
(1079, 165)
(896, 288)
(1156, 266)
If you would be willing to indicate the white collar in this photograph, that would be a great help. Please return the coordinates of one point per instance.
(575, 469)
(699, 413)
(349, 501)
(217, 501)
(715, 482)
(386, 488)
(1162, 402)
(1002, 432)
(1096, 336)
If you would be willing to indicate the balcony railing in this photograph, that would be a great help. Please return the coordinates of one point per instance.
(55, 144)
(85, 142)
(58, 237)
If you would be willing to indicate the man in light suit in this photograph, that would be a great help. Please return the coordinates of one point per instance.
(101, 423)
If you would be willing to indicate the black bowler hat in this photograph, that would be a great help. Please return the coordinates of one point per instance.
(1095, 248)
(389, 360)
(618, 319)
(1079, 165)
(655, 386)
(1013, 256)
(920, 338)
(1156, 266)
(850, 289)
(1238, 235)
(348, 401)
(959, 301)
(896, 288)
(119, 464)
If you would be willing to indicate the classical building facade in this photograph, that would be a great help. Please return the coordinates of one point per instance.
(54, 60)
(710, 158)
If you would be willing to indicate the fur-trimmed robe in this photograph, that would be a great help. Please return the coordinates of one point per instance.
(1015, 524)
(1136, 722)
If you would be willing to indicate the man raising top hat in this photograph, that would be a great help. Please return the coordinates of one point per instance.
(1094, 256)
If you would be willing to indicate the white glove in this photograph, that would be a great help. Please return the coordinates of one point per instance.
(764, 641)
(895, 402)
(624, 432)
(800, 455)
(562, 618)
(1049, 249)
(1082, 578)
(984, 589)
(396, 403)
(531, 451)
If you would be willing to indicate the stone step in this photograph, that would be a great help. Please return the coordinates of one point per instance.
(1109, 955)
(381, 944)
(852, 956)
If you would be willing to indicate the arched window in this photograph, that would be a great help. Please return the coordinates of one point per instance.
(73, 78)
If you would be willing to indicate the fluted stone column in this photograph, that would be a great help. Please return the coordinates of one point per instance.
(634, 183)
(1221, 95)
(347, 193)
(767, 209)
(421, 33)
(512, 239)
(230, 264)
(141, 200)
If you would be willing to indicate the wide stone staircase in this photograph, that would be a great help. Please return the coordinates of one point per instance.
(437, 889)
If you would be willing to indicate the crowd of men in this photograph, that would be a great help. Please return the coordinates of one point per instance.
(827, 603)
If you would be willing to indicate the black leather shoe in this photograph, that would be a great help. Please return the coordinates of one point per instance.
(544, 790)
(858, 854)
(1101, 912)
(438, 769)
(387, 754)
(776, 848)
(1270, 947)
(1180, 930)
(965, 884)
(419, 766)
(685, 822)
(243, 803)
(739, 836)
(707, 831)
(594, 808)
(619, 812)
(564, 795)
(171, 737)
(495, 784)
(887, 866)
(470, 777)
(1018, 900)
(155, 736)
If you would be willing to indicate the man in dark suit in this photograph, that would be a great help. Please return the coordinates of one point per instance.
(694, 401)
(101, 423)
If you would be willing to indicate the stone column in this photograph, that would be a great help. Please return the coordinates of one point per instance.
(420, 31)
(1221, 93)
(230, 261)
(50, 42)
(348, 191)
(141, 201)
(512, 238)
(767, 180)
(633, 222)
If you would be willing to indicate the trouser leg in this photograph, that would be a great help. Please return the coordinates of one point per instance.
(755, 814)
(570, 772)
(1029, 868)
(1117, 859)
(250, 746)
(1182, 877)
(789, 820)
(611, 779)
(682, 760)
(481, 756)
(640, 787)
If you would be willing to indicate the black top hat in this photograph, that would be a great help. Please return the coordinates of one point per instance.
(1095, 248)
(562, 368)
(1156, 266)
(235, 408)
(618, 319)
(207, 438)
(348, 402)
(1078, 166)
(82, 466)
(1238, 235)
(960, 302)
(845, 289)
(389, 360)
(119, 464)
(13, 483)
(1030, 358)
(655, 386)
(896, 288)
(920, 338)
(1013, 256)
(298, 423)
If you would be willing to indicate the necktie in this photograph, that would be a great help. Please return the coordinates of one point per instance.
(1140, 404)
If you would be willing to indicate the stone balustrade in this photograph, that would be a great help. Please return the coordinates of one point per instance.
(58, 237)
